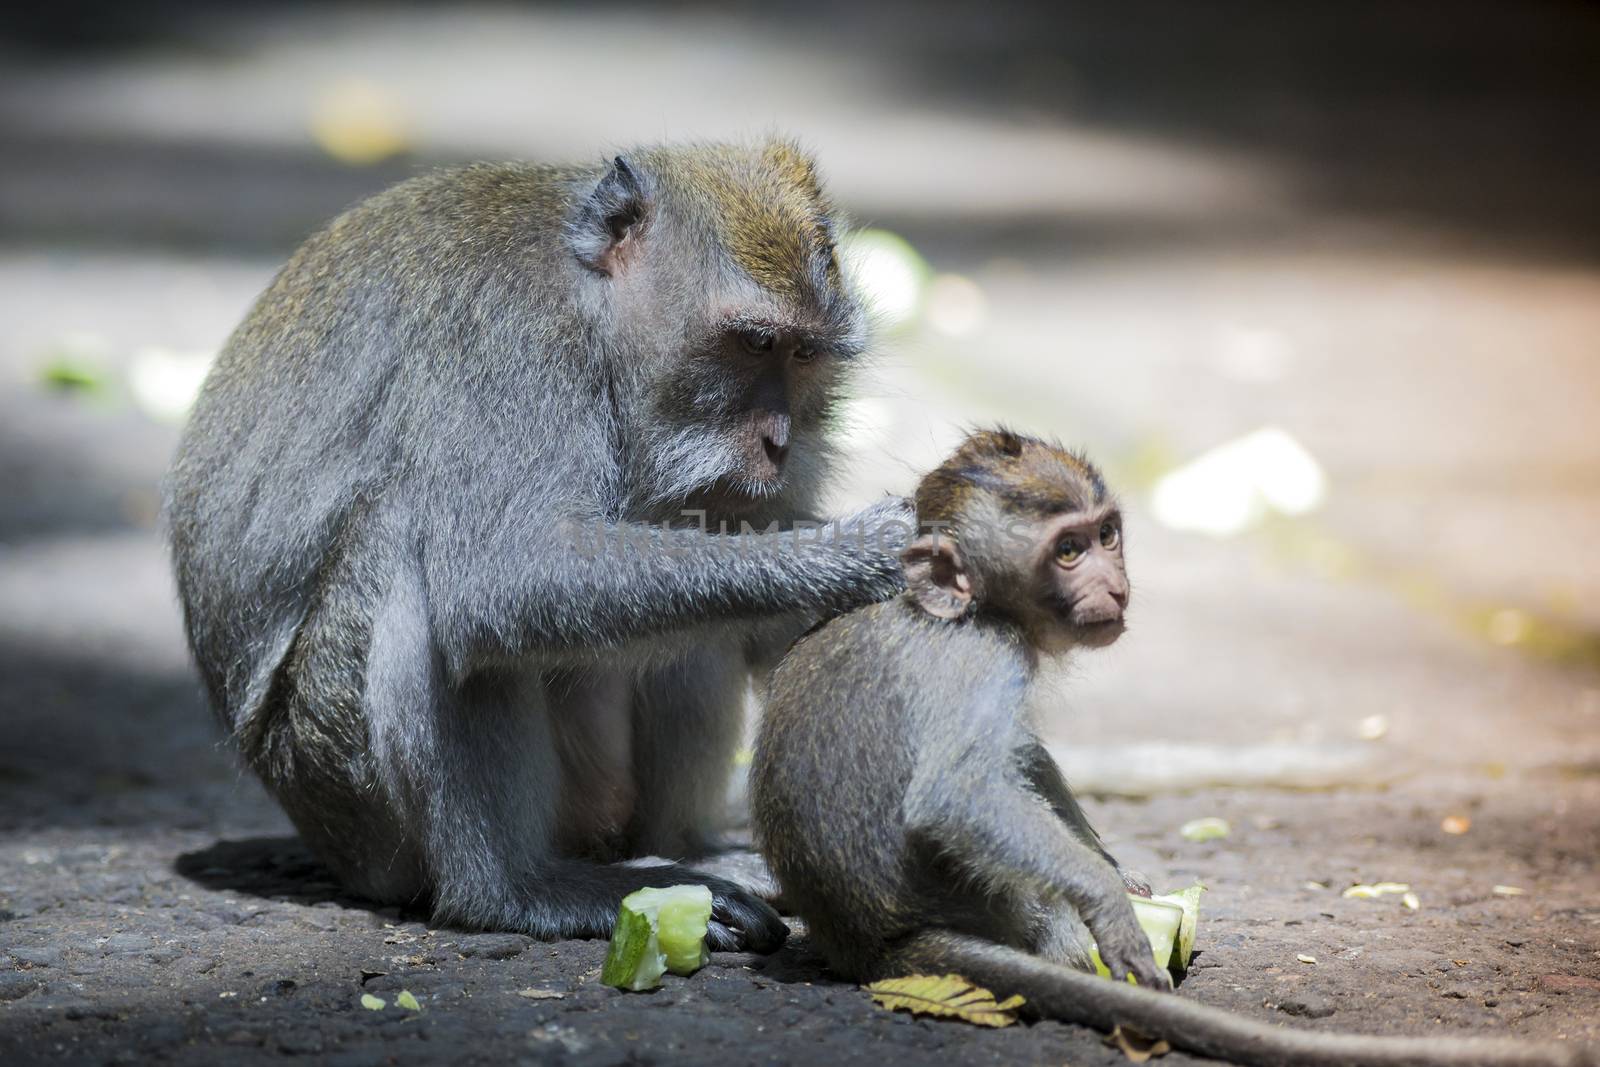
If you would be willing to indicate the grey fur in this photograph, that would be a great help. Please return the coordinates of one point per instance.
(895, 789)
(417, 521)
(914, 820)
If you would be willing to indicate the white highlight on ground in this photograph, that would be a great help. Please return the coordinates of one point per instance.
(1253, 355)
(1234, 486)
(1153, 768)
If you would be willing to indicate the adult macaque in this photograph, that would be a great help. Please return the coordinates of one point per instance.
(914, 819)
(415, 523)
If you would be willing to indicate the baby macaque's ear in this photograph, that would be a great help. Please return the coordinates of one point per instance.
(936, 578)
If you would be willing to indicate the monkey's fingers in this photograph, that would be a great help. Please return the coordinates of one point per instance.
(1125, 950)
(1152, 977)
(1144, 970)
(741, 921)
(720, 938)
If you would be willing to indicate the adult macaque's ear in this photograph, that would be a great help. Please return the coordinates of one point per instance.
(936, 578)
(605, 227)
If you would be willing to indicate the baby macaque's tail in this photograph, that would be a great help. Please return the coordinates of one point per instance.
(1055, 992)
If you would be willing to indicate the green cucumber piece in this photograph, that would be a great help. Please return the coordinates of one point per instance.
(685, 913)
(658, 930)
(1189, 901)
(634, 960)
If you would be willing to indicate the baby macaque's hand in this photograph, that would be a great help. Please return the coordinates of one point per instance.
(1137, 883)
(1124, 948)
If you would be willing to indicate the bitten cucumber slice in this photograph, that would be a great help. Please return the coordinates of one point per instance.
(658, 930)
(1169, 921)
(1189, 901)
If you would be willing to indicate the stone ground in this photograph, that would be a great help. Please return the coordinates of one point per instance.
(1373, 228)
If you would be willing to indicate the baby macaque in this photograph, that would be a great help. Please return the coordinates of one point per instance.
(915, 820)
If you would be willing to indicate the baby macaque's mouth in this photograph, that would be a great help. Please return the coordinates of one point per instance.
(1102, 632)
(1094, 616)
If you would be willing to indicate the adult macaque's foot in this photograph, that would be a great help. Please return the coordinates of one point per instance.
(744, 868)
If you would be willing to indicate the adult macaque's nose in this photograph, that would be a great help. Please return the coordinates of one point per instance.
(775, 437)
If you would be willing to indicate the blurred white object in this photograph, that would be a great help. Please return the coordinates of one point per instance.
(887, 272)
(1253, 355)
(956, 306)
(1509, 626)
(1235, 485)
(1373, 727)
(359, 122)
(165, 383)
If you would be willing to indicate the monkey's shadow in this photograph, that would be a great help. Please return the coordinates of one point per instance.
(280, 869)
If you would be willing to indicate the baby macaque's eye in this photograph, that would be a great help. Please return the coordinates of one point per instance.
(1068, 551)
(1110, 535)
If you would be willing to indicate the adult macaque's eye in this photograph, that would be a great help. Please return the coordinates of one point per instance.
(1068, 551)
(1109, 534)
(804, 354)
(756, 342)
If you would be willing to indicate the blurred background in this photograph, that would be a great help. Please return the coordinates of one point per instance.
(1319, 285)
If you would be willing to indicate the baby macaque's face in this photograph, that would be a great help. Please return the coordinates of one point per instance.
(1032, 533)
(1081, 575)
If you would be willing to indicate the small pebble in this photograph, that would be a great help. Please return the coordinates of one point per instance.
(15, 986)
(493, 946)
(1307, 1005)
(35, 956)
(124, 943)
(1569, 983)
(300, 1043)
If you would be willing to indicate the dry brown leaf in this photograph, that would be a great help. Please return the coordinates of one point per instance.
(1136, 1046)
(951, 996)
